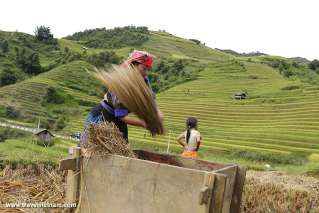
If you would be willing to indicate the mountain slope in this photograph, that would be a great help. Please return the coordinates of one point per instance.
(273, 120)
(278, 122)
(62, 93)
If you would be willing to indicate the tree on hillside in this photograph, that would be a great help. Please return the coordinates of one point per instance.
(29, 64)
(112, 38)
(20, 58)
(60, 124)
(8, 76)
(314, 64)
(103, 58)
(160, 65)
(43, 33)
(178, 66)
(33, 64)
(5, 46)
(295, 64)
(53, 96)
(11, 112)
(196, 41)
(66, 50)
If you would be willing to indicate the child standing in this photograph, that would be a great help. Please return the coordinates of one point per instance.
(190, 139)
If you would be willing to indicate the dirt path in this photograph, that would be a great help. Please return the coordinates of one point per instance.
(33, 130)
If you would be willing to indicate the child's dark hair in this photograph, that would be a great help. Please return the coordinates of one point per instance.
(191, 123)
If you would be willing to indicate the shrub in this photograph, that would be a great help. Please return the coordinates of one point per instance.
(11, 112)
(167, 73)
(60, 124)
(7, 133)
(291, 87)
(48, 123)
(53, 96)
(314, 64)
(287, 73)
(103, 58)
(4, 46)
(295, 64)
(8, 76)
(195, 41)
(253, 76)
(30, 64)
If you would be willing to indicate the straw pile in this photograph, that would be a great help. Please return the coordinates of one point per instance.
(277, 192)
(129, 86)
(29, 185)
(106, 138)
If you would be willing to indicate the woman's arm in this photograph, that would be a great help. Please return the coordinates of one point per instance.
(134, 121)
(161, 116)
(138, 122)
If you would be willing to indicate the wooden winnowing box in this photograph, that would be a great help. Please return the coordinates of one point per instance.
(153, 183)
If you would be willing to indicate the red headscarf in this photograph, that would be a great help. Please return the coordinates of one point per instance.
(142, 57)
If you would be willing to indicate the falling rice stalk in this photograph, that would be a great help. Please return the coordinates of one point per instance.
(130, 88)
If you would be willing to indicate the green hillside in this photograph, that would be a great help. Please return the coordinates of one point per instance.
(16, 41)
(277, 123)
(75, 90)
(55, 97)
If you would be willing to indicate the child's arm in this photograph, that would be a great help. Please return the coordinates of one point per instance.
(181, 139)
(199, 141)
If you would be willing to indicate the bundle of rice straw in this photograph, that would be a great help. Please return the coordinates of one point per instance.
(106, 138)
(31, 185)
(129, 86)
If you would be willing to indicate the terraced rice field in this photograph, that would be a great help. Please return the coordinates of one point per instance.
(273, 119)
(29, 96)
(26, 96)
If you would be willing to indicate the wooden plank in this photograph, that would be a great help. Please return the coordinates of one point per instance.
(207, 190)
(68, 164)
(238, 190)
(70, 192)
(73, 179)
(169, 184)
(118, 184)
(179, 161)
(217, 200)
(230, 172)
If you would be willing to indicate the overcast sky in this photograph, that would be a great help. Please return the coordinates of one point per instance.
(277, 27)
